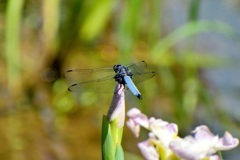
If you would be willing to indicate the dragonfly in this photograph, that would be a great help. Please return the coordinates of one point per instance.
(104, 79)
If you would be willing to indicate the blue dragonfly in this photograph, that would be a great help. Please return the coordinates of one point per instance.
(105, 79)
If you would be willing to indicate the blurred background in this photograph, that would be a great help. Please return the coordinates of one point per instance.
(192, 45)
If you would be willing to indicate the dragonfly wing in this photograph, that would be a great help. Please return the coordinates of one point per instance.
(139, 71)
(97, 80)
(138, 78)
(137, 68)
(104, 85)
(85, 75)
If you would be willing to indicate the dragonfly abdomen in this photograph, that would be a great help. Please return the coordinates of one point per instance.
(131, 86)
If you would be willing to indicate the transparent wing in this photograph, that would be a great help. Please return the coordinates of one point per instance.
(104, 85)
(137, 68)
(85, 75)
(139, 71)
(138, 78)
(99, 80)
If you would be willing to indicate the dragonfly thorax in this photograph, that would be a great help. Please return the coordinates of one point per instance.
(121, 71)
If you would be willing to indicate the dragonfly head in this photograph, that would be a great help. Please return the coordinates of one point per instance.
(120, 73)
(117, 68)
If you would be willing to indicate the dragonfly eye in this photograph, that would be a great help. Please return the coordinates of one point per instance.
(116, 67)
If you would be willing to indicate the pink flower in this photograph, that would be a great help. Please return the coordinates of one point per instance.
(227, 142)
(164, 143)
(136, 119)
(161, 133)
(148, 151)
(203, 145)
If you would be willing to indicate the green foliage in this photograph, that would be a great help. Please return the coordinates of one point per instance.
(111, 141)
(108, 144)
(96, 19)
(119, 153)
(12, 46)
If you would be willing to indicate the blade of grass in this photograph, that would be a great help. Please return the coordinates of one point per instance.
(12, 54)
(12, 47)
(50, 24)
(97, 19)
(129, 26)
(158, 53)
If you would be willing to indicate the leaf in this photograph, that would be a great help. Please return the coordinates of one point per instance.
(108, 146)
(97, 19)
(119, 153)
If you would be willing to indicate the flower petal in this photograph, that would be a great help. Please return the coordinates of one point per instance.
(202, 145)
(117, 107)
(163, 131)
(135, 128)
(188, 148)
(227, 142)
(148, 151)
(203, 133)
(214, 157)
(139, 118)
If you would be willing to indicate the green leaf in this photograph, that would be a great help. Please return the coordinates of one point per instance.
(119, 153)
(108, 145)
(129, 26)
(116, 131)
(12, 44)
(97, 19)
